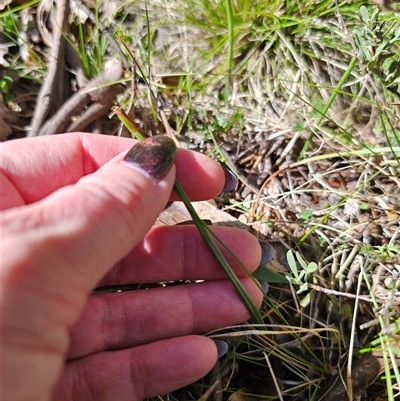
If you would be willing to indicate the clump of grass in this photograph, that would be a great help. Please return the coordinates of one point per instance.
(304, 87)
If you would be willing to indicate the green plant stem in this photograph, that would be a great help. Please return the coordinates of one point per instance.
(129, 124)
(328, 104)
(18, 8)
(98, 54)
(229, 15)
(204, 232)
(82, 51)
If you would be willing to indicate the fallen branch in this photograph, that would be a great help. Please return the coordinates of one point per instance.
(47, 95)
(101, 90)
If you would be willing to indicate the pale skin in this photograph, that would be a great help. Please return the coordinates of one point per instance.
(73, 218)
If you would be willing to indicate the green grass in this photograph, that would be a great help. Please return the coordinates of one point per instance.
(276, 66)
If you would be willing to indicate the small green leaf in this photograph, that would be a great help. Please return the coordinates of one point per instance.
(345, 312)
(6, 84)
(312, 267)
(303, 287)
(364, 14)
(371, 65)
(299, 126)
(306, 300)
(301, 261)
(264, 274)
(292, 262)
(364, 206)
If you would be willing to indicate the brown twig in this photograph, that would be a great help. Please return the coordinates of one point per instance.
(101, 90)
(92, 114)
(48, 94)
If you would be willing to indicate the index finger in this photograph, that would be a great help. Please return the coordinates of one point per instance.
(33, 168)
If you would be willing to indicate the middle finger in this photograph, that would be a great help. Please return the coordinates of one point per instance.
(179, 253)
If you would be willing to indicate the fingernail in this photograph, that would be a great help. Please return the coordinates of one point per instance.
(267, 252)
(230, 181)
(264, 286)
(154, 155)
(222, 347)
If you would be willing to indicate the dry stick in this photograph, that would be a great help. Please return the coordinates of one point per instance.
(92, 114)
(76, 65)
(101, 89)
(209, 391)
(47, 93)
(74, 106)
(339, 293)
(72, 55)
(46, 10)
(350, 389)
(277, 387)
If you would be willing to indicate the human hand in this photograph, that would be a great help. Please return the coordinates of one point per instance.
(73, 218)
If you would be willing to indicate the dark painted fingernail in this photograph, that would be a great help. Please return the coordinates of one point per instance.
(264, 286)
(230, 181)
(154, 155)
(222, 347)
(267, 252)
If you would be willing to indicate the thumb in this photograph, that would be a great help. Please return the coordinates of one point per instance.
(65, 243)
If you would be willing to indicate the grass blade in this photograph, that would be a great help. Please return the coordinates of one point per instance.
(328, 104)
(229, 14)
(204, 232)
